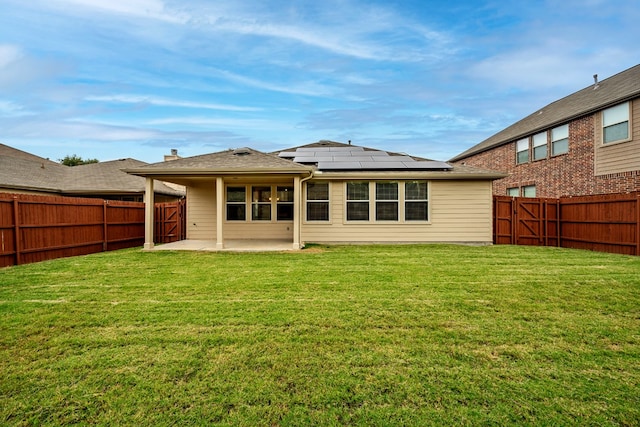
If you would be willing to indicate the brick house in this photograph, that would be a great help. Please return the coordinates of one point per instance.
(586, 143)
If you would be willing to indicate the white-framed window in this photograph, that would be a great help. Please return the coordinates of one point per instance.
(529, 191)
(386, 201)
(615, 123)
(560, 140)
(540, 146)
(284, 203)
(382, 201)
(261, 203)
(317, 201)
(416, 201)
(236, 203)
(513, 191)
(522, 151)
(358, 201)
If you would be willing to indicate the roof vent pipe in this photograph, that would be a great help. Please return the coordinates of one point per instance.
(595, 81)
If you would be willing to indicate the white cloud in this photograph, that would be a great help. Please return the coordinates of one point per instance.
(152, 9)
(164, 102)
(9, 54)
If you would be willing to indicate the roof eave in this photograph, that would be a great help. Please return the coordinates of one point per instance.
(431, 175)
(215, 172)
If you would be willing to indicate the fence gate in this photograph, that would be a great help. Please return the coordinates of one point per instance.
(170, 222)
(526, 221)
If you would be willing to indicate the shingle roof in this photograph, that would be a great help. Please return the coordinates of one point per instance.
(240, 159)
(618, 88)
(25, 171)
(234, 161)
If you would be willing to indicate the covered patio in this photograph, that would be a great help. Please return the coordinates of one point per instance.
(235, 245)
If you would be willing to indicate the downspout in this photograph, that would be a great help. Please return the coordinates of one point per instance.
(301, 210)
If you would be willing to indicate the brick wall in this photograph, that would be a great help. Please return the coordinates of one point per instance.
(570, 174)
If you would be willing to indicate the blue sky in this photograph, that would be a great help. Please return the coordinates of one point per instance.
(110, 79)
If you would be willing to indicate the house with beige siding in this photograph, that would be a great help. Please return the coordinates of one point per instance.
(583, 144)
(326, 192)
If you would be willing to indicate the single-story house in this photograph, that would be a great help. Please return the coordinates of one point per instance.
(326, 192)
(26, 173)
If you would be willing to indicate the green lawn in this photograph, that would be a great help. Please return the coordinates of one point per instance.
(359, 335)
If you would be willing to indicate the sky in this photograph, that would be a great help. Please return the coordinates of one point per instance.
(110, 79)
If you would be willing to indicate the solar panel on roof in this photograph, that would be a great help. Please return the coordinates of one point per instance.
(357, 158)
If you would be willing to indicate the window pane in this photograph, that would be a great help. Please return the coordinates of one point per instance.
(523, 157)
(617, 132)
(415, 190)
(318, 191)
(261, 194)
(540, 152)
(615, 115)
(236, 212)
(529, 191)
(386, 211)
(523, 145)
(318, 211)
(235, 194)
(387, 191)
(560, 147)
(285, 212)
(415, 211)
(357, 211)
(357, 191)
(561, 132)
(261, 212)
(540, 139)
(285, 194)
(513, 191)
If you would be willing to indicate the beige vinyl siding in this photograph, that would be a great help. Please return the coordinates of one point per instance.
(258, 230)
(201, 211)
(460, 211)
(622, 156)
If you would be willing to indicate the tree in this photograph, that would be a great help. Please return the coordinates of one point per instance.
(76, 160)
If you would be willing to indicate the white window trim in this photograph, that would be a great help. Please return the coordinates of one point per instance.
(305, 205)
(629, 125)
(551, 153)
(401, 204)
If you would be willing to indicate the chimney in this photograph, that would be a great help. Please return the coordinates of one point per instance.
(172, 156)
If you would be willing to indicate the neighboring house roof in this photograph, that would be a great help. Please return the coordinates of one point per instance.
(23, 171)
(616, 89)
(239, 160)
(327, 157)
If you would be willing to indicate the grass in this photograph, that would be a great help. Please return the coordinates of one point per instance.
(358, 335)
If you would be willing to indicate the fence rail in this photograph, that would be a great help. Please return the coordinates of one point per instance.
(606, 223)
(37, 228)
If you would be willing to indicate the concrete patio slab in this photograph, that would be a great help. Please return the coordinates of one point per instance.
(239, 245)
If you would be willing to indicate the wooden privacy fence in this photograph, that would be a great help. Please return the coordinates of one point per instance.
(606, 223)
(37, 228)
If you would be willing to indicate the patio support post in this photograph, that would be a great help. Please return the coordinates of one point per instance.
(149, 207)
(297, 198)
(219, 212)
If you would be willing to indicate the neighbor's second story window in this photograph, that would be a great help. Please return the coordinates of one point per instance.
(540, 146)
(615, 123)
(560, 140)
(522, 151)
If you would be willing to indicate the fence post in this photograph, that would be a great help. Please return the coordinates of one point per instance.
(638, 224)
(105, 234)
(16, 228)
